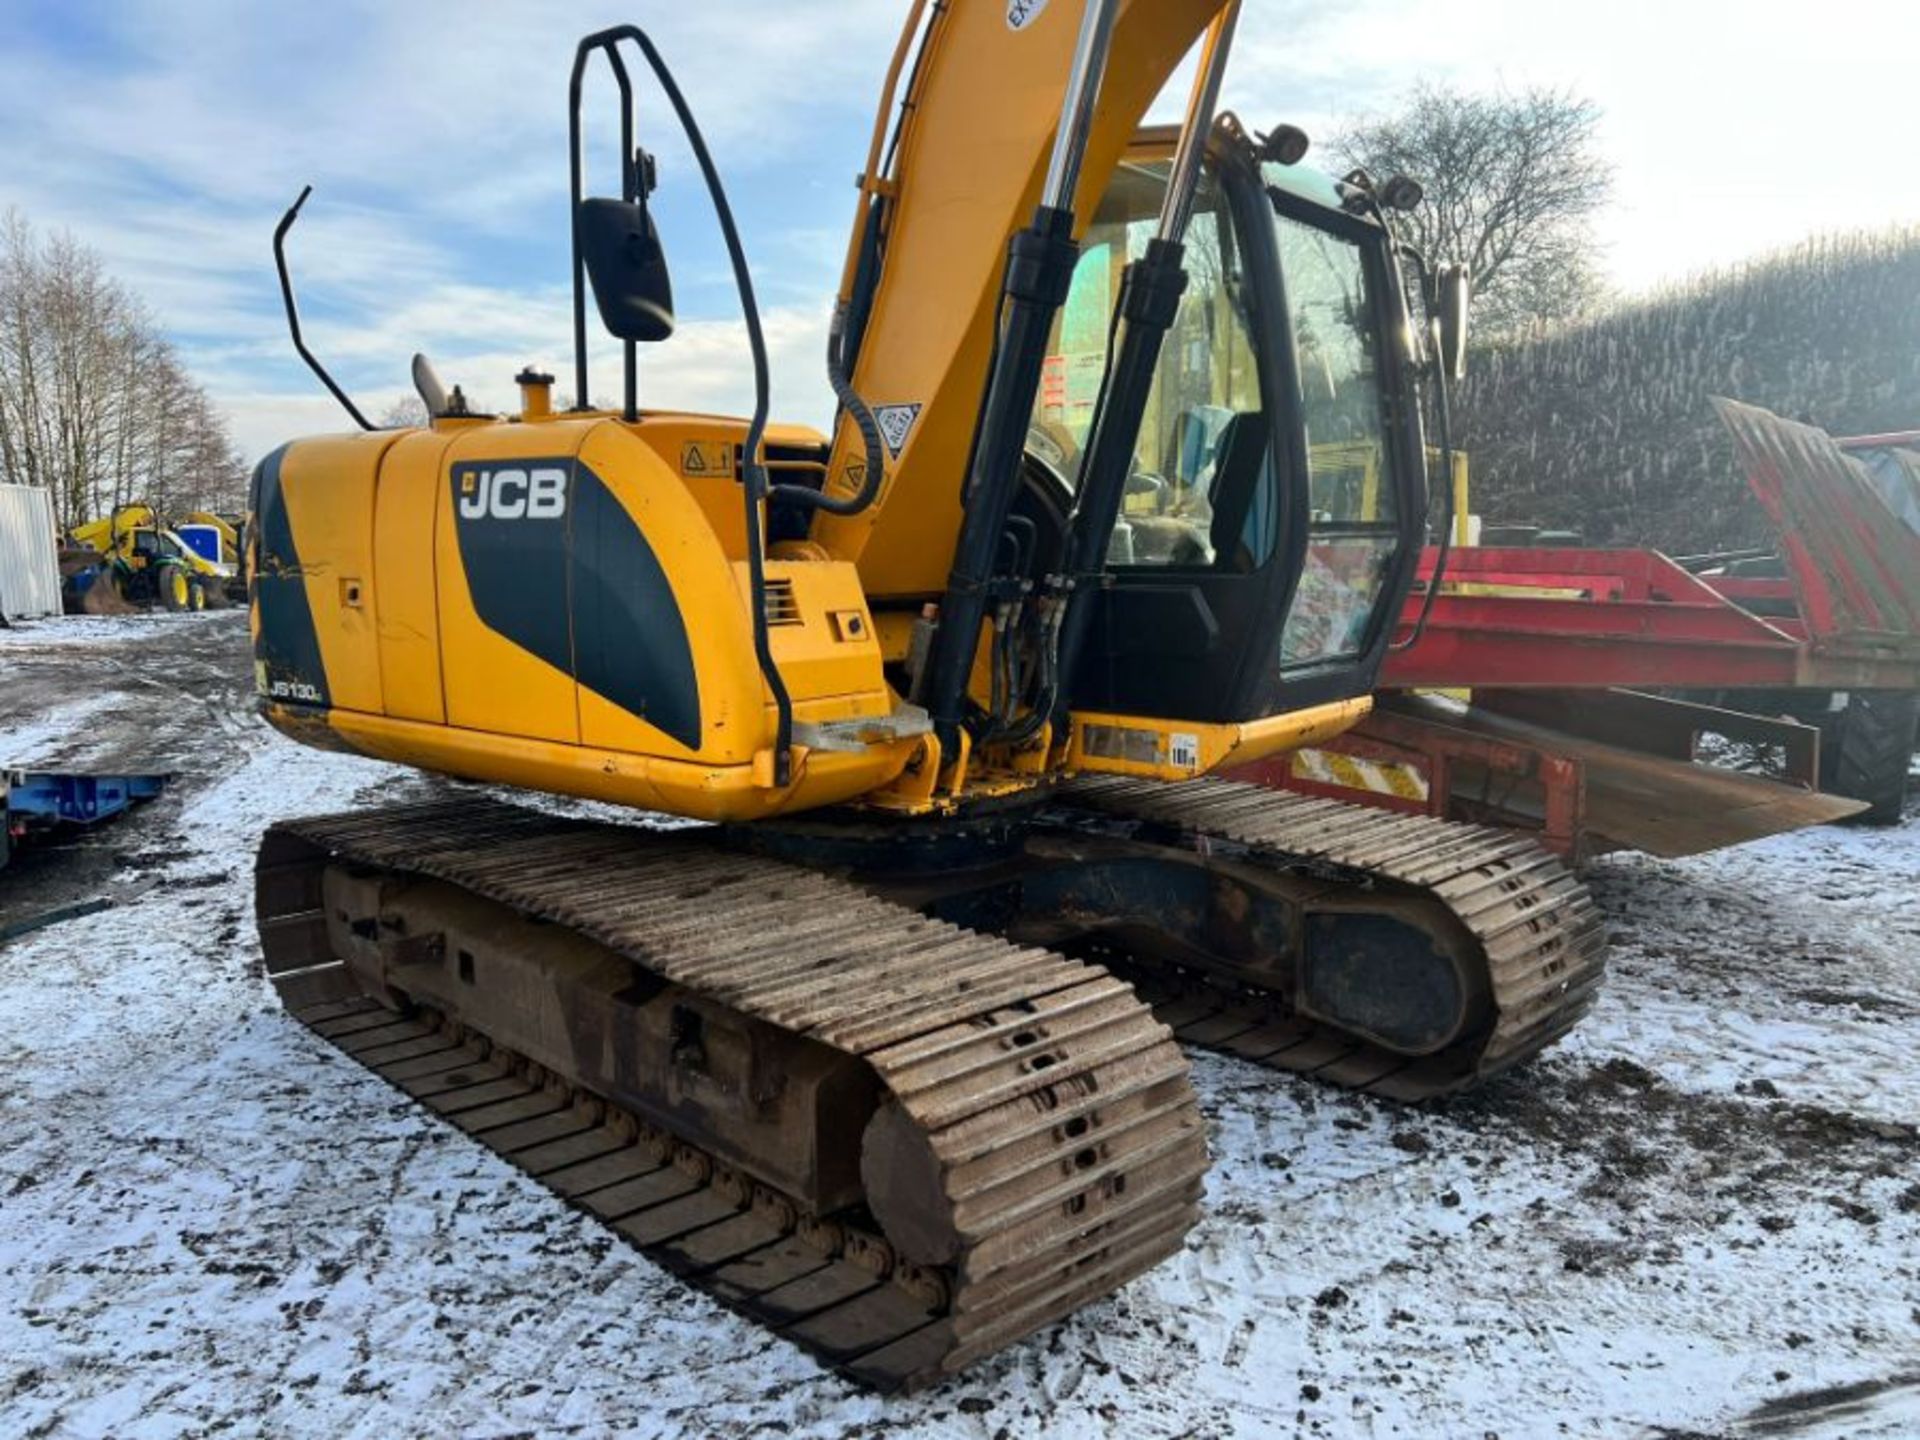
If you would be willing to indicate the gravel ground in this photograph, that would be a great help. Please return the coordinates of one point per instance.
(1696, 1217)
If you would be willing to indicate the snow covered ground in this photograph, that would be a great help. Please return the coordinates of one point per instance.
(1697, 1217)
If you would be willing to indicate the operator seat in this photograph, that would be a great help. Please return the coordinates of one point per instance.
(1241, 532)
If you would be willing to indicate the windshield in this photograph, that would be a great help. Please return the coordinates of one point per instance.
(1207, 377)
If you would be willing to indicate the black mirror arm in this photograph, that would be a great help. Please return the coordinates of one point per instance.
(629, 352)
(293, 310)
(577, 187)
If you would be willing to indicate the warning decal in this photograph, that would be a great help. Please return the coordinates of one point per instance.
(707, 457)
(1354, 772)
(896, 423)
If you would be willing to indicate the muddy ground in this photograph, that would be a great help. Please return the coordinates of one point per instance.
(1696, 1217)
(118, 696)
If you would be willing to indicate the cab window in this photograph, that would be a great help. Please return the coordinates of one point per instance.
(1200, 493)
(1352, 522)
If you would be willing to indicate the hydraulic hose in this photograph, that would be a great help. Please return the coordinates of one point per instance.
(863, 420)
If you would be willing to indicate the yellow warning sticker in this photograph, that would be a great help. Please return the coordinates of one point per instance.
(851, 478)
(707, 457)
(1352, 772)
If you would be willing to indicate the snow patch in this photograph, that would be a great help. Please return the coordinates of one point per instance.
(1700, 1213)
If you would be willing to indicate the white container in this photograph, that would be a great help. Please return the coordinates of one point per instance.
(29, 557)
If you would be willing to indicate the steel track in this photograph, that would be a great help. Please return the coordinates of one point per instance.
(1068, 1142)
(1541, 939)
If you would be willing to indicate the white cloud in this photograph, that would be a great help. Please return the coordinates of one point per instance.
(1736, 126)
(436, 143)
(704, 368)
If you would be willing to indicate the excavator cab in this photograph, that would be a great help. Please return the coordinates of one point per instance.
(1277, 494)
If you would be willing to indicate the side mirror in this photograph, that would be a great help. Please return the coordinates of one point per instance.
(628, 269)
(1455, 295)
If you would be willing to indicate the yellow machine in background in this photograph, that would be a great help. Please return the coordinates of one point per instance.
(150, 563)
(862, 1052)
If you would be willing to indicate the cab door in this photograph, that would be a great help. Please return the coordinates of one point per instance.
(1245, 582)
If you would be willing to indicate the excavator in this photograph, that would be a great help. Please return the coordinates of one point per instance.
(859, 1040)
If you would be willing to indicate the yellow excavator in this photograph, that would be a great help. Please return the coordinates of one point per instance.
(883, 1050)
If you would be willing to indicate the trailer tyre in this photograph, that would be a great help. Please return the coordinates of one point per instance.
(1872, 750)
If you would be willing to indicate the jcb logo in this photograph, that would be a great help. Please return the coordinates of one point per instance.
(513, 493)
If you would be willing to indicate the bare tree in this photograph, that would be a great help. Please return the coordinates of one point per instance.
(95, 404)
(409, 412)
(21, 456)
(1512, 185)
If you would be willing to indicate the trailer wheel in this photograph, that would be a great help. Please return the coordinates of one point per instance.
(1872, 746)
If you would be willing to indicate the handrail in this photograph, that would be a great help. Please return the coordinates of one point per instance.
(293, 310)
(753, 464)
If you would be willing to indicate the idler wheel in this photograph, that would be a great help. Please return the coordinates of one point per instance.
(906, 1190)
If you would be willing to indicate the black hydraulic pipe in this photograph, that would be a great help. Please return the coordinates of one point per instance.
(840, 377)
(1039, 271)
(1040, 263)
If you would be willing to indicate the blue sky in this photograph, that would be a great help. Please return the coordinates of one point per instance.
(169, 136)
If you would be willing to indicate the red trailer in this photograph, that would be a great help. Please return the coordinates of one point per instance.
(1560, 650)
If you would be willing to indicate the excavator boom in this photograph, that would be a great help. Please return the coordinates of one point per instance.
(971, 155)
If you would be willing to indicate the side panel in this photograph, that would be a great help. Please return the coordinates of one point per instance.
(567, 590)
(823, 639)
(405, 508)
(663, 640)
(703, 451)
(630, 637)
(500, 565)
(316, 637)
